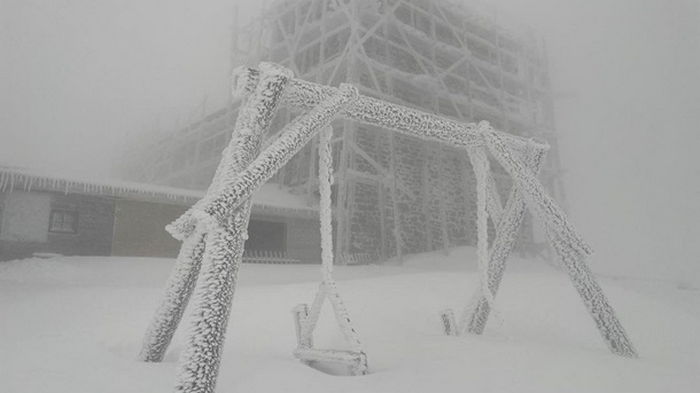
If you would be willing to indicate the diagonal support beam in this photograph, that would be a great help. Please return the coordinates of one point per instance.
(495, 207)
(200, 359)
(476, 314)
(234, 191)
(566, 242)
(533, 191)
(253, 121)
(594, 299)
(380, 169)
(177, 294)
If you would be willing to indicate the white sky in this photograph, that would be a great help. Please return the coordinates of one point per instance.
(79, 77)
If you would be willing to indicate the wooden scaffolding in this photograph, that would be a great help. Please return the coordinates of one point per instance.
(436, 56)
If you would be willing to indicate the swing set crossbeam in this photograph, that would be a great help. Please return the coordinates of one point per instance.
(304, 95)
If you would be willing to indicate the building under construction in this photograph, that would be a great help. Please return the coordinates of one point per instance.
(393, 195)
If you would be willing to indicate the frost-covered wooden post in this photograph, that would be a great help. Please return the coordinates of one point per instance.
(507, 222)
(177, 294)
(572, 250)
(523, 165)
(253, 121)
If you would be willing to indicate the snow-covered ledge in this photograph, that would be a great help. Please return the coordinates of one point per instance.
(269, 199)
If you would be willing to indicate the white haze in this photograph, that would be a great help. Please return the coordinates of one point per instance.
(80, 78)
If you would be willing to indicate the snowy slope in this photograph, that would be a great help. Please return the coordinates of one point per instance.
(75, 325)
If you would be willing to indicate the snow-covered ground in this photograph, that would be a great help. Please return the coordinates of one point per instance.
(75, 325)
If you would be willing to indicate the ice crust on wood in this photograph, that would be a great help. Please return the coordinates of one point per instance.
(507, 224)
(177, 294)
(303, 95)
(222, 247)
(199, 362)
(12, 178)
(292, 139)
(305, 317)
(567, 243)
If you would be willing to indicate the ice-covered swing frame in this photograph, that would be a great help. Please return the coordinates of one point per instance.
(214, 230)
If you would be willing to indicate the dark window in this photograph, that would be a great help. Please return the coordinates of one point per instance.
(266, 235)
(63, 221)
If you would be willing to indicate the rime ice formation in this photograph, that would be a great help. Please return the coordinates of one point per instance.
(12, 178)
(291, 140)
(199, 362)
(214, 229)
(304, 95)
(480, 163)
(223, 245)
(305, 318)
(507, 224)
(177, 294)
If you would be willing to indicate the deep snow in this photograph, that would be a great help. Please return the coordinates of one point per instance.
(75, 324)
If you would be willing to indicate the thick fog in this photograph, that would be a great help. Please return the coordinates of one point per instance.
(81, 78)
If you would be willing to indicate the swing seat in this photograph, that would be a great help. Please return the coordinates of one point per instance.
(325, 360)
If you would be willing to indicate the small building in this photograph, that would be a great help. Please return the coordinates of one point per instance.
(43, 214)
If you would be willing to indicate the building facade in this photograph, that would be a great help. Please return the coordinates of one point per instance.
(393, 194)
(43, 214)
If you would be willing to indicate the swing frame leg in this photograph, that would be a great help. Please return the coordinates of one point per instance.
(200, 360)
(217, 250)
(506, 235)
(571, 249)
(177, 294)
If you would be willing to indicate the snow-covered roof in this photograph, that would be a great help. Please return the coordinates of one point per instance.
(273, 197)
(269, 198)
